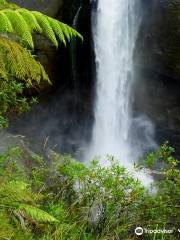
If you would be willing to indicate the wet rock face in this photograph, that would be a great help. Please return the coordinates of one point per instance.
(158, 42)
(50, 7)
(157, 90)
(157, 96)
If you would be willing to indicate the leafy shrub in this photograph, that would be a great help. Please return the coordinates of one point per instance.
(68, 200)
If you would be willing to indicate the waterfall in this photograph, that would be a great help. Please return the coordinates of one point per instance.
(73, 46)
(75, 20)
(115, 27)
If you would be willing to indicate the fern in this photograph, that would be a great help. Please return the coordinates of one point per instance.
(18, 71)
(22, 22)
(14, 192)
(18, 68)
(19, 26)
(19, 199)
(18, 62)
(36, 214)
(30, 20)
(6, 230)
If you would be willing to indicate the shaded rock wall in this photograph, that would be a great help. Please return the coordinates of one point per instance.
(49, 7)
(158, 42)
(157, 90)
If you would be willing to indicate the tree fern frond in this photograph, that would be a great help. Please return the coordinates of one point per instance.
(56, 26)
(45, 25)
(14, 192)
(30, 20)
(20, 27)
(16, 61)
(5, 24)
(3, 73)
(36, 214)
(70, 32)
(23, 22)
(6, 230)
(66, 31)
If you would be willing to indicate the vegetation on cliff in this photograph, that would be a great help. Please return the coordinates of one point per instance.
(19, 69)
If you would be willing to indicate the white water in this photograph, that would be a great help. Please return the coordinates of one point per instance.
(73, 54)
(115, 27)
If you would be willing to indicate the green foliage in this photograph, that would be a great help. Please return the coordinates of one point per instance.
(161, 159)
(18, 62)
(67, 200)
(35, 213)
(19, 204)
(23, 22)
(19, 70)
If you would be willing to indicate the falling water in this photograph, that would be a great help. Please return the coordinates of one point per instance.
(115, 27)
(75, 20)
(74, 53)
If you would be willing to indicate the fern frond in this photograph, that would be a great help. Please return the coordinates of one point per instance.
(5, 24)
(36, 214)
(14, 192)
(66, 31)
(30, 20)
(20, 27)
(23, 22)
(56, 27)
(3, 72)
(18, 62)
(45, 25)
(6, 230)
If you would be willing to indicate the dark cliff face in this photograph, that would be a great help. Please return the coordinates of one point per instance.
(158, 41)
(158, 66)
(50, 7)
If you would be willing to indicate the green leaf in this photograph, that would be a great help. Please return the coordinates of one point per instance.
(37, 214)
